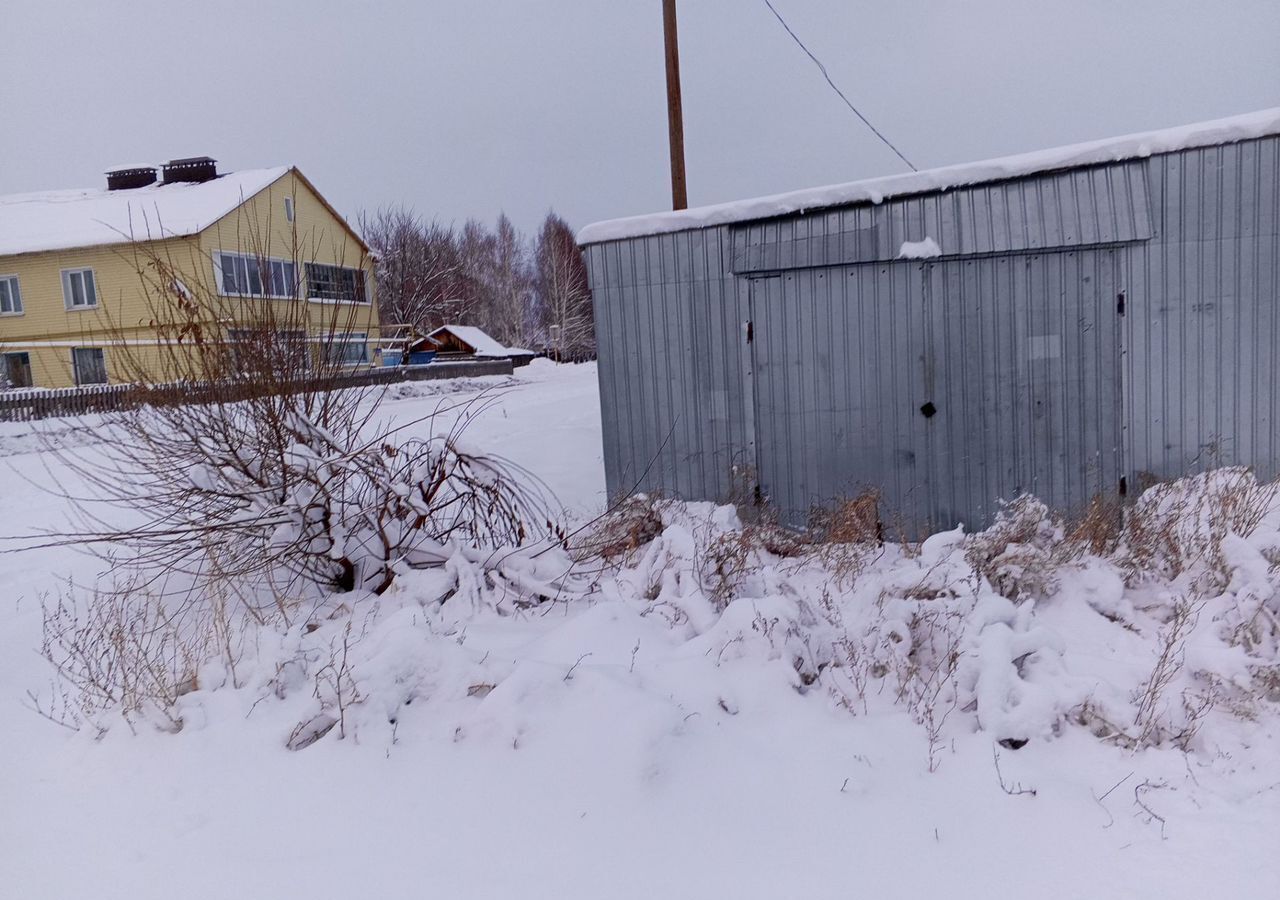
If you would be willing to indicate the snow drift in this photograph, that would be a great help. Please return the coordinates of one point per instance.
(1142, 635)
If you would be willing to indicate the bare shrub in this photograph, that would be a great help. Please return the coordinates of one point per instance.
(252, 474)
(926, 673)
(1152, 697)
(129, 652)
(845, 535)
(267, 464)
(622, 530)
(913, 642)
(1266, 680)
(1097, 531)
(729, 558)
(848, 658)
(850, 520)
(335, 685)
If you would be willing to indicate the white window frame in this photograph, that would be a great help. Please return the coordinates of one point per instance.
(249, 258)
(75, 370)
(68, 294)
(14, 292)
(344, 339)
(289, 209)
(361, 281)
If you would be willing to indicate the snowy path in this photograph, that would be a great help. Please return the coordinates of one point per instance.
(650, 773)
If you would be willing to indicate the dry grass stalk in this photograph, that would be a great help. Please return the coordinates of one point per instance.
(844, 536)
(622, 531)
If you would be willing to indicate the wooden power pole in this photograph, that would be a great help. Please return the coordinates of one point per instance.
(675, 113)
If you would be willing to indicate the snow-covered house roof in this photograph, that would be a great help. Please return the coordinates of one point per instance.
(476, 338)
(61, 220)
(1219, 131)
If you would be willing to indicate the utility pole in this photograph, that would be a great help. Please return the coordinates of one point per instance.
(675, 113)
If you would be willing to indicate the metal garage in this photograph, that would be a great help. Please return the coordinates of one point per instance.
(1072, 323)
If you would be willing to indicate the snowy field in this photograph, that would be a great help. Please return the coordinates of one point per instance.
(656, 739)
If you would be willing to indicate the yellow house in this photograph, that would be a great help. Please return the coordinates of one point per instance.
(79, 270)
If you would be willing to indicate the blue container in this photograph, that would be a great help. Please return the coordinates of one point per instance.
(421, 358)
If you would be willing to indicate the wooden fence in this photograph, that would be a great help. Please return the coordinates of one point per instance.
(19, 406)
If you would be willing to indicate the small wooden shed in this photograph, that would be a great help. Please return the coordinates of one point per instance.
(464, 341)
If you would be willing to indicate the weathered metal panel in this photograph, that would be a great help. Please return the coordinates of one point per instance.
(1078, 208)
(669, 335)
(1016, 357)
(1203, 334)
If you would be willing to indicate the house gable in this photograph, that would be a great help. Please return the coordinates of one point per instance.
(260, 224)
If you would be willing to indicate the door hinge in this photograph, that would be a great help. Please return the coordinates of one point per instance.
(751, 332)
(1120, 303)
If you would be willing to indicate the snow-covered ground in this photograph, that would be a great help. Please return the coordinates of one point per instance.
(592, 749)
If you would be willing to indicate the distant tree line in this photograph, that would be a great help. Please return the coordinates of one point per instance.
(524, 292)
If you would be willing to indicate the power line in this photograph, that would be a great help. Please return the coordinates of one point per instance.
(823, 69)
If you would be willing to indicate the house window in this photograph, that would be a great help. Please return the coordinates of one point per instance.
(10, 296)
(284, 352)
(288, 209)
(78, 289)
(89, 365)
(335, 283)
(239, 275)
(17, 369)
(350, 349)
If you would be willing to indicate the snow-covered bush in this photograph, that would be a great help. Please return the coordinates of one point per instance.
(1021, 553)
(252, 485)
(254, 514)
(998, 630)
(1180, 526)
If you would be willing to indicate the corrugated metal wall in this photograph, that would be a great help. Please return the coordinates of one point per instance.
(943, 385)
(1202, 340)
(1081, 207)
(1191, 238)
(670, 318)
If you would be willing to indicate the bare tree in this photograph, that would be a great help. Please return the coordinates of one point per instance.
(564, 297)
(430, 275)
(418, 265)
(510, 284)
(477, 249)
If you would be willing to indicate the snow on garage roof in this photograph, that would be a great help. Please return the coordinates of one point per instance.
(60, 220)
(483, 344)
(1219, 131)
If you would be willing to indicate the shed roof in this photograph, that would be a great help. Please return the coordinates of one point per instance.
(60, 220)
(476, 337)
(874, 190)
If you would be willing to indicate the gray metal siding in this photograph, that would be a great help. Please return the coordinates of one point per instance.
(669, 331)
(1203, 335)
(1076, 208)
(1019, 356)
(1194, 239)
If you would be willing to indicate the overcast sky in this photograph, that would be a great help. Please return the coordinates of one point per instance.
(468, 107)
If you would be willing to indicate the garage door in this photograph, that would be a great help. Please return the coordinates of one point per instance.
(945, 386)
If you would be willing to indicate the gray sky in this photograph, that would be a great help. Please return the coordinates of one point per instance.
(469, 107)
